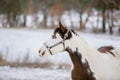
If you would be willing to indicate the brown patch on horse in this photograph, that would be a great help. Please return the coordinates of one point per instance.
(105, 49)
(81, 71)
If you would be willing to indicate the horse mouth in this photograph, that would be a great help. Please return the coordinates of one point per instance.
(41, 53)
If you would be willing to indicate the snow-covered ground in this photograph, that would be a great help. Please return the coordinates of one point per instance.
(15, 44)
(8, 73)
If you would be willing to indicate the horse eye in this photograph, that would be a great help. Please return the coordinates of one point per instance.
(53, 36)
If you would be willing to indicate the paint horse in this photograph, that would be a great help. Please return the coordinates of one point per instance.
(101, 66)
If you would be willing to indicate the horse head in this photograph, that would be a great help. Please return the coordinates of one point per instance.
(58, 42)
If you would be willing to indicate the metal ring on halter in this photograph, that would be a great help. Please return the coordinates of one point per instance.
(48, 48)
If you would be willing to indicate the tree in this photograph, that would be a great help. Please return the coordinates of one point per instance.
(100, 5)
(111, 6)
(44, 6)
(81, 6)
(11, 8)
(24, 7)
(104, 6)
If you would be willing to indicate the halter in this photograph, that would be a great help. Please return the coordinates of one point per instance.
(50, 47)
(61, 42)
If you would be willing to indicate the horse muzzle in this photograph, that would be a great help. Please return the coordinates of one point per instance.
(41, 53)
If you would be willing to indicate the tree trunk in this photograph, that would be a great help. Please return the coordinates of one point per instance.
(104, 18)
(86, 20)
(103, 22)
(45, 20)
(52, 21)
(72, 26)
(81, 22)
(110, 30)
(4, 18)
(8, 19)
(44, 23)
(110, 21)
(14, 20)
(112, 25)
(25, 19)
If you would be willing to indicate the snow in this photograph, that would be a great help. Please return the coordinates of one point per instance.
(8, 73)
(15, 44)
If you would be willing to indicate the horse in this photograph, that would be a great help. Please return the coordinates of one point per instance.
(102, 66)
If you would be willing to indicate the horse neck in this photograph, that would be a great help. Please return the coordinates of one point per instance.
(92, 55)
(79, 67)
(76, 62)
(83, 47)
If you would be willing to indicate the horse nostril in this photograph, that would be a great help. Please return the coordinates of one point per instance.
(43, 53)
(39, 51)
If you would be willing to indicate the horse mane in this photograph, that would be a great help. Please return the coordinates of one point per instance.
(59, 31)
(74, 32)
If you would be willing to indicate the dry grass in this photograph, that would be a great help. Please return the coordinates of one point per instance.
(2, 60)
(24, 63)
(27, 63)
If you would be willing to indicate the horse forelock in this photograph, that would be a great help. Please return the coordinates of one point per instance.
(67, 34)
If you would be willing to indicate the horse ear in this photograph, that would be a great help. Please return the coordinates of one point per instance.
(62, 27)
